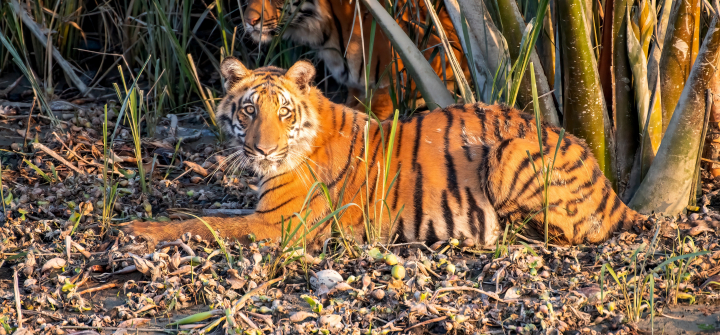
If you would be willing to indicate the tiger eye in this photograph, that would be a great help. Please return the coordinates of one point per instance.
(250, 110)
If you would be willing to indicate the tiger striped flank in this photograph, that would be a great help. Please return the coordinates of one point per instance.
(464, 171)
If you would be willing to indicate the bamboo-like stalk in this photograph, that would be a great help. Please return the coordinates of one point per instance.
(639, 35)
(667, 185)
(584, 109)
(482, 77)
(615, 72)
(676, 62)
(658, 40)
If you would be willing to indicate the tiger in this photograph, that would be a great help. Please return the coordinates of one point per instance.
(336, 32)
(464, 171)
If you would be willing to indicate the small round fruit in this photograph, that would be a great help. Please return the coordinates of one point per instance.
(398, 272)
(391, 259)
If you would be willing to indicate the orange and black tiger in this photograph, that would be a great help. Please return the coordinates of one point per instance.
(462, 171)
(337, 32)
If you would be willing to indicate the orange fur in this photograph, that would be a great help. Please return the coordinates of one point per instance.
(336, 30)
(460, 171)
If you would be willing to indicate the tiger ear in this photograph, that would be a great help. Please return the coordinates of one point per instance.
(302, 74)
(232, 71)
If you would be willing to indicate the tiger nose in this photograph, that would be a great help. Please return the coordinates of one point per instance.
(265, 149)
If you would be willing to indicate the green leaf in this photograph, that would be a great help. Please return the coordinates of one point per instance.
(529, 248)
(376, 254)
(612, 273)
(37, 169)
(67, 286)
(18, 256)
(315, 305)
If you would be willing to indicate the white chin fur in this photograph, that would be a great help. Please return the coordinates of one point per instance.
(266, 38)
(259, 37)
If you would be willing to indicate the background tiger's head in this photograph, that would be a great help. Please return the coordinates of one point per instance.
(264, 19)
(266, 117)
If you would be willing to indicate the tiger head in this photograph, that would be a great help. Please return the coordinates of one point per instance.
(266, 117)
(264, 19)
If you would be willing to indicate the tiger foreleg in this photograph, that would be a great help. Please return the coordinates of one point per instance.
(240, 228)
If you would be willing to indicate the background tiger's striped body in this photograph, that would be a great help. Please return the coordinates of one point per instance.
(337, 32)
(462, 170)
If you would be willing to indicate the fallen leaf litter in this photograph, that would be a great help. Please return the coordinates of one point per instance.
(57, 257)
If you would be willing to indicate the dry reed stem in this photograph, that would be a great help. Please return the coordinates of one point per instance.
(16, 290)
(98, 288)
(42, 38)
(58, 157)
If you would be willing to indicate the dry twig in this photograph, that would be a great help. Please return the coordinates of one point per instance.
(98, 288)
(56, 156)
(426, 322)
(16, 290)
(178, 243)
(466, 288)
(4, 92)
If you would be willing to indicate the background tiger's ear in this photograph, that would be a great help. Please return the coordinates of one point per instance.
(233, 71)
(302, 74)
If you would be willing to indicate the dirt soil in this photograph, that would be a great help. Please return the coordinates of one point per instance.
(67, 270)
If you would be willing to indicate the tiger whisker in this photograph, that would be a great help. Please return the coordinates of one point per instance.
(225, 161)
(221, 163)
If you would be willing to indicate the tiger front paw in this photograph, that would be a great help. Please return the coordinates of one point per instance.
(151, 232)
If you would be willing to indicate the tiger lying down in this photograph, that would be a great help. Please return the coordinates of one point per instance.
(464, 170)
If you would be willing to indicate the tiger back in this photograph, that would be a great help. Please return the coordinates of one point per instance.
(337, 31)
(464, 171)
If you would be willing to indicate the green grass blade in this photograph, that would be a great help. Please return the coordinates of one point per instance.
(676, 258)
(126, 100)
